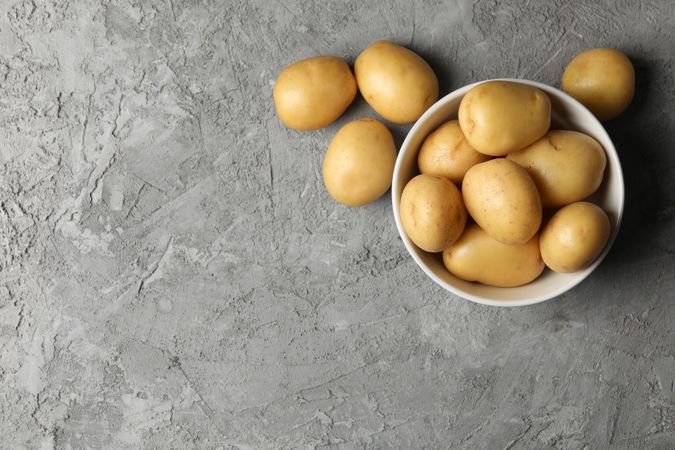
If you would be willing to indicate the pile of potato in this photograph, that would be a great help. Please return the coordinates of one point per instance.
(510, 167)
(396, 82)
(488, 180)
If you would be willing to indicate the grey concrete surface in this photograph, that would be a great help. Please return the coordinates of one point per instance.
(174, 275)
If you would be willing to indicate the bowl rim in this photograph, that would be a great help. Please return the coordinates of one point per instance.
(405, 147)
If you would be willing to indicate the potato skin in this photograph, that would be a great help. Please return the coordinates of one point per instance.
(432, 212)
(312, 93)
(446, 153)
(359, 162)
(502, 198)
(574, 237)
(500, 117)
(475, 256)
(566, 166)
(396, 82)
(603, 79)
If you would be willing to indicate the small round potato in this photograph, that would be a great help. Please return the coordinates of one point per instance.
(359, 163)
(574, 237)
(432, 212)
(566, 166)
(447, 153)
(502, 198)
(475, 256)
(603, 79)
(500, 117)
(312, 93)
(396, 82)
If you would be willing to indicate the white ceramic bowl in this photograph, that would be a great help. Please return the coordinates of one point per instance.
(567, 113)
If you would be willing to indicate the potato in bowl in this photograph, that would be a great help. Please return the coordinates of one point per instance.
(566, 113)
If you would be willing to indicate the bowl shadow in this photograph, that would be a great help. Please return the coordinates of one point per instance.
(638, 141)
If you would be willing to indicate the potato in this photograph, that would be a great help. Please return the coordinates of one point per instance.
(502, 198)
(475, 256)
(447, 153)
(312, 93)
(500, 117)
(396, 82)
(566, 166)
(432, 212)
(574, 237)
(359, 163)
(603, 79)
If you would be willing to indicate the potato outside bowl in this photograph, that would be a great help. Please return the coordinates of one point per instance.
(566, 113)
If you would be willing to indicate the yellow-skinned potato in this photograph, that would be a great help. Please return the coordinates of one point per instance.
(475, 256)
(603, 79)
(312, 93)
(566, 166)
(500, 117)
(502, 198)
(359, 163)
(447, 153)
(574, 237)
(396, 82)
(432, 212)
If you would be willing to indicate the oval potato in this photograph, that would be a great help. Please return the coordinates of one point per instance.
(475, 256)
(396, 82)
(603, 79)
(312, 93)
(359, 163)
(502, 198)
(499, 117)
(574, 237)
(446, 153)
(432, 212)
(566, 166)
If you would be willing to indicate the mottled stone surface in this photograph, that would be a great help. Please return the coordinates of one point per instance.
(174, 275)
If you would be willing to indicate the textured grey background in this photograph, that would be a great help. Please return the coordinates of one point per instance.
(174, 275)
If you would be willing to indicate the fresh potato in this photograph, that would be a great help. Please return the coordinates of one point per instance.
(566, 166)
(396, 82)
(500, 117)
(359, 163)
(475, 256)
(502, 198)
(312, 93)
(432, 212)
(447, 153)
(574, 237)
(603, 79)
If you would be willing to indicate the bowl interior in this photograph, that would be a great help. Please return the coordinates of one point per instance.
(567, 114)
